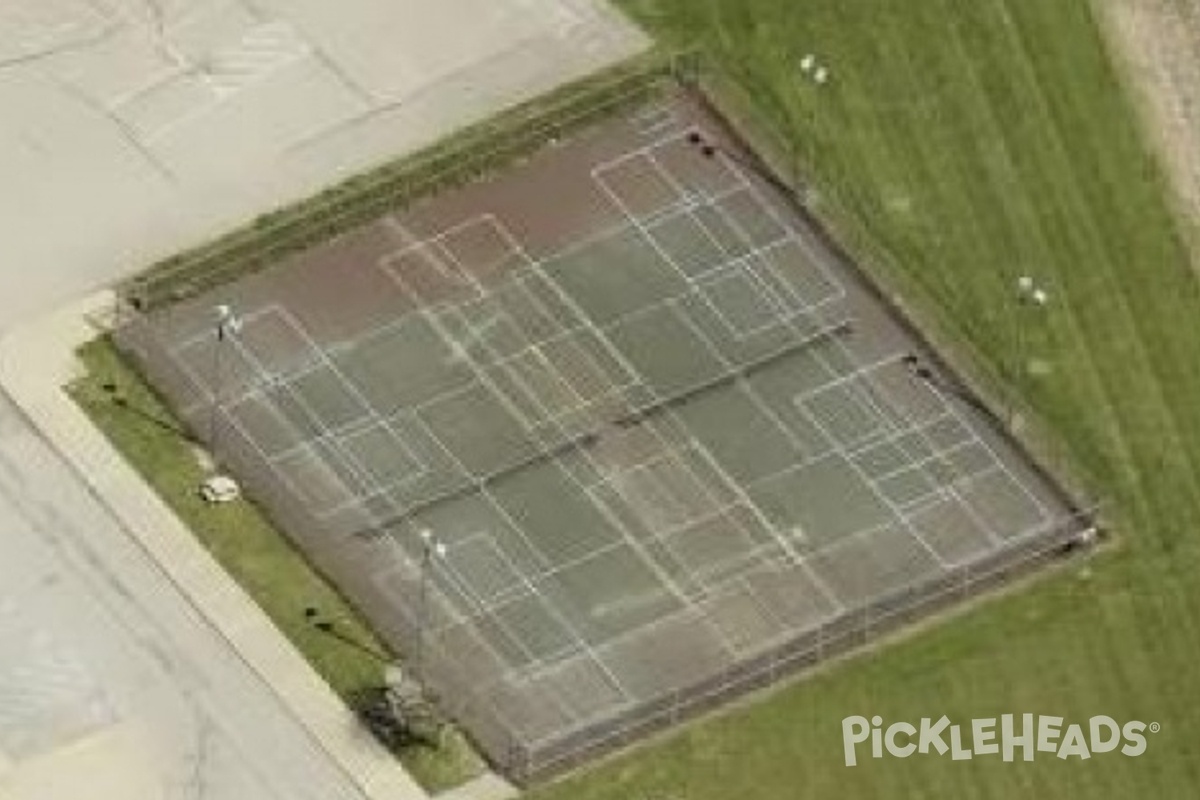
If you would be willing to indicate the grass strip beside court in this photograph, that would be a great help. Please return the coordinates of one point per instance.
(248, 546)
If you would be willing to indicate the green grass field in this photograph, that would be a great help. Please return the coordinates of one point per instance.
(962, 143)
(248, 546)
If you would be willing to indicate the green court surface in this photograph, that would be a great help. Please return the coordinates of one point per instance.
(670, 460)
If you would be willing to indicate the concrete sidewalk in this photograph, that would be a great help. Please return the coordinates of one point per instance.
(35, 363)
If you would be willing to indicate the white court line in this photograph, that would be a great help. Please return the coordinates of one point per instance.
(717, 510)
(651, 121)
(350, 387)
(327, 436)
(426, 251)
(769, 209)
(413, 576)
(635, 544)
(941, 493)
(1043, 512)
(413, 415)
(509, 366)
(264, 378)
(838, 378)
(818, 263)
(787, 632)
(694, 286)
(781, 538)
(853, 360)
(343, 442)
(483, 379)
(566, 337)
(872, 393)
(530, 363)
(638, 152)
(532, 588)
(442, 235)
(478, 371)
(324, 442)
(777, 317)
(484, 491)
(817, 581)
(604, 341)
(281, 476)
(890, 437)
(487, 538)
(765, 409)
(943, 454)
(613, 519)
(945, 490)
(482, 611)
(864, 436)
(517, 592)
(209, 331)
(864, 476)
(737, 488)
(761, 255)
(375, 493)
(643, 472)
(493, 222)
(268, 380)
(207, 334)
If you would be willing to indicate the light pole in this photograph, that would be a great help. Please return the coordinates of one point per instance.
(1029, 295)
(227, 324)
(431, 548)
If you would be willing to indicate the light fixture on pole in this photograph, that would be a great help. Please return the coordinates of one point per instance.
(431, 549)
(227, 324)
(814, 69)
(219, 488)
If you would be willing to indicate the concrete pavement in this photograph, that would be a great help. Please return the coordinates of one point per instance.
(130, 129)
(134, 662)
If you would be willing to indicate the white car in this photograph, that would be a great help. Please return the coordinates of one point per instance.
(219, 489)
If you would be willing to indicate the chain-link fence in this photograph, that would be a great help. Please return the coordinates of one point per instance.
(854, 630)
(376, 572)
(469, 155)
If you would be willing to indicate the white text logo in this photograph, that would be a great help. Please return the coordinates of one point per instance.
(1026, 734)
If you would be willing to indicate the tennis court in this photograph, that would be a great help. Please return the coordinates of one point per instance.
(673, 445)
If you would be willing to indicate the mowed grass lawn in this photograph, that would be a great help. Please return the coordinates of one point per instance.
(963, 143)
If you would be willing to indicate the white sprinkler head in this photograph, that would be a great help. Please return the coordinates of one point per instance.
(821, 75)
(426, 535)
(1025, 284)
(807, 63)
(439, 550)
(1040, 297)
